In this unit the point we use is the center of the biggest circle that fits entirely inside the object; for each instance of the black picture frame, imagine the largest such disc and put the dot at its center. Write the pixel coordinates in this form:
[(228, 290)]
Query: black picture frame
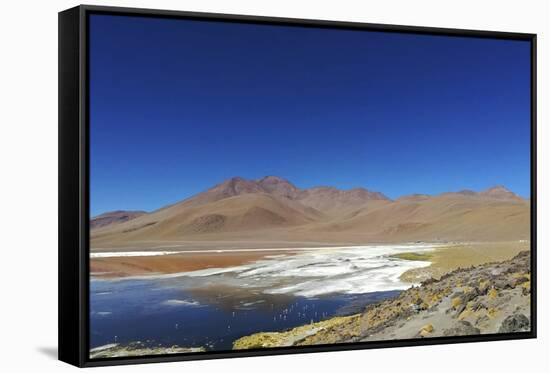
[(74, 184)]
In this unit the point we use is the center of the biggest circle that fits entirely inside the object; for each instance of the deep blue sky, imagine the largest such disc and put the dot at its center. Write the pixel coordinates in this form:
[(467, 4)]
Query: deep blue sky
[(177, 106)]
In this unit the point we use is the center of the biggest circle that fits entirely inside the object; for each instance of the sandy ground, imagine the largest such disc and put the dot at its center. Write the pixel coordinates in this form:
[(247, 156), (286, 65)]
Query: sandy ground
[(464, 255), (143, 265)]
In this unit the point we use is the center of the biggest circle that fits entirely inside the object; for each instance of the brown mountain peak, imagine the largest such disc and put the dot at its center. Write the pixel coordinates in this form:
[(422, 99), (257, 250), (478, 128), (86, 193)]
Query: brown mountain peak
[(271, 179), (238, 185), (497, 188), (279, 186), (229, 188), (499, 192)]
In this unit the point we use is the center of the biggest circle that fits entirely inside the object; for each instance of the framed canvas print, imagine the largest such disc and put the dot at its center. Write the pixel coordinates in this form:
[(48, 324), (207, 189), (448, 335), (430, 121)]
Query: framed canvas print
[(236, 186)]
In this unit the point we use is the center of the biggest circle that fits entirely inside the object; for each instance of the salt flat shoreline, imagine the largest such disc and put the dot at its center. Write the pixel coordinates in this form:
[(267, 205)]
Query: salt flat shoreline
[(141, 263), (445, 258), (115, 254)]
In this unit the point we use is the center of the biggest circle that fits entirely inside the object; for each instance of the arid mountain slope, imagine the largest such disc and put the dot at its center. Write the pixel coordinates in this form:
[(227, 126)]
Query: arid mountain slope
[(235, 205), (339, 202), (114, 217), (272, 208), (450, 216), (247, 212)]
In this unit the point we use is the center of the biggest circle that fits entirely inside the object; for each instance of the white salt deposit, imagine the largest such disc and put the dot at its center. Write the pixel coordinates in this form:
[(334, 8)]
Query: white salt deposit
[(130, 253), (314, 272)]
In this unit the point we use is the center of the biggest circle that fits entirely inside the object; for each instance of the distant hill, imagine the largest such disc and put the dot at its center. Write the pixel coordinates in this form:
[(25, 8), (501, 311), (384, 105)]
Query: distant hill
[(272, 208), (449, 216), (114, 217)]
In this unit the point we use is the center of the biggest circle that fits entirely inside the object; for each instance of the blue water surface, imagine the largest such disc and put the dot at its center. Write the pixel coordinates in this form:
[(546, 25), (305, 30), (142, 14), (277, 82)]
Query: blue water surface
[(164, 312)]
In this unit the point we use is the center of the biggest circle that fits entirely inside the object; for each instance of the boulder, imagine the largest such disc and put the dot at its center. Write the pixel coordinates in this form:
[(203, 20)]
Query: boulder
[(461, 328), (515, 323)]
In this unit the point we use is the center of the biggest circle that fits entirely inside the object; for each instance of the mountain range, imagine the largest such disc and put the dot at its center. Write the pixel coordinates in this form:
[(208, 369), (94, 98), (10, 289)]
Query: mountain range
[(272, 208)]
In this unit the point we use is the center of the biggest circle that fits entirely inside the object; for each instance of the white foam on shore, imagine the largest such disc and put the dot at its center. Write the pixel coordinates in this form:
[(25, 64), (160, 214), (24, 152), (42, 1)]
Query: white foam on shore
[(104, 347), (314, 272)]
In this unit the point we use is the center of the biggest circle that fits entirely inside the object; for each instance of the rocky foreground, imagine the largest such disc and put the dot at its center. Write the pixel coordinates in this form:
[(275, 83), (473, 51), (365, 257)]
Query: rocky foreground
[(486, 299), (137, 349)]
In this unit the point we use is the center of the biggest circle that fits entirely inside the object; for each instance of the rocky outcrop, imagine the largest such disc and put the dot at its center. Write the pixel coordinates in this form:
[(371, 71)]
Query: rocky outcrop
[(491, 298)]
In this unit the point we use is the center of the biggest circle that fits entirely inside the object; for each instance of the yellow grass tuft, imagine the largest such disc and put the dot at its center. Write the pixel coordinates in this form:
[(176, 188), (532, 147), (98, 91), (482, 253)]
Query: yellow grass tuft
[(455, 302), (426, 330)]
